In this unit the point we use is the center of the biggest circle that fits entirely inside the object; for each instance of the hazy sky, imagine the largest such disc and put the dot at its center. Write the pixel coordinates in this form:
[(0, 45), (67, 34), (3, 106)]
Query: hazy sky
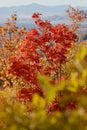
[(44, 2)]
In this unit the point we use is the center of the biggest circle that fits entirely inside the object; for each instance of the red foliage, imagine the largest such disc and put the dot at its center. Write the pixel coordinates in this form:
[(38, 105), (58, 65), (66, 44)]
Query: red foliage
[(56, 106), (36, 15), (53, 107), (47, 42), (71, 105), (27, 93)]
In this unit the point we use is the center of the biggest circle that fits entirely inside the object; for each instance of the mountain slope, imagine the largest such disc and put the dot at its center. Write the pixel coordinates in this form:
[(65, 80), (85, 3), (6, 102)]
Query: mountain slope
[(56, 14)]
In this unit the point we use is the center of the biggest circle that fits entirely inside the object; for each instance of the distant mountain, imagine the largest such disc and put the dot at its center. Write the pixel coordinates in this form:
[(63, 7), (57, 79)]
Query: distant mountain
[(30, 9), (56, 14)]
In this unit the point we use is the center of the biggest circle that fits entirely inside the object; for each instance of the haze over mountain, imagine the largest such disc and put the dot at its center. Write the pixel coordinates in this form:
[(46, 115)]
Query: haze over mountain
[(29, 9), (56, 14)]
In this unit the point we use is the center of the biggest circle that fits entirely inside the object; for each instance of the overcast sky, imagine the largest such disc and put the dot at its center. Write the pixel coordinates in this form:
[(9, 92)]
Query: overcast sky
[(44, 2)]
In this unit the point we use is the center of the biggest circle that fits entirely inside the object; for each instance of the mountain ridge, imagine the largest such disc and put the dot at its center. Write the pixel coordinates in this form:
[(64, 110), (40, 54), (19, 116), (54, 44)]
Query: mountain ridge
[(56, 14), (34, 7)]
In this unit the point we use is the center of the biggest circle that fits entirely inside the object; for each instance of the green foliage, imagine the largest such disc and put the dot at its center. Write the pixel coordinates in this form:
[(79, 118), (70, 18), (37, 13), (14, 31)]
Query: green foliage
[(15, 115)]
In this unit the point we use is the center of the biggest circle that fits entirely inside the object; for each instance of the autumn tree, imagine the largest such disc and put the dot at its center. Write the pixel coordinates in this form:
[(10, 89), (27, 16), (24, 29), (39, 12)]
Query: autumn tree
[(44, 51), (77, 17), (11, 38)]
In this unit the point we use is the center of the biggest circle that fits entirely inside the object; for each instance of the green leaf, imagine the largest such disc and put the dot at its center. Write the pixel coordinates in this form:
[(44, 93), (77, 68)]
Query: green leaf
[(81, 53)]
